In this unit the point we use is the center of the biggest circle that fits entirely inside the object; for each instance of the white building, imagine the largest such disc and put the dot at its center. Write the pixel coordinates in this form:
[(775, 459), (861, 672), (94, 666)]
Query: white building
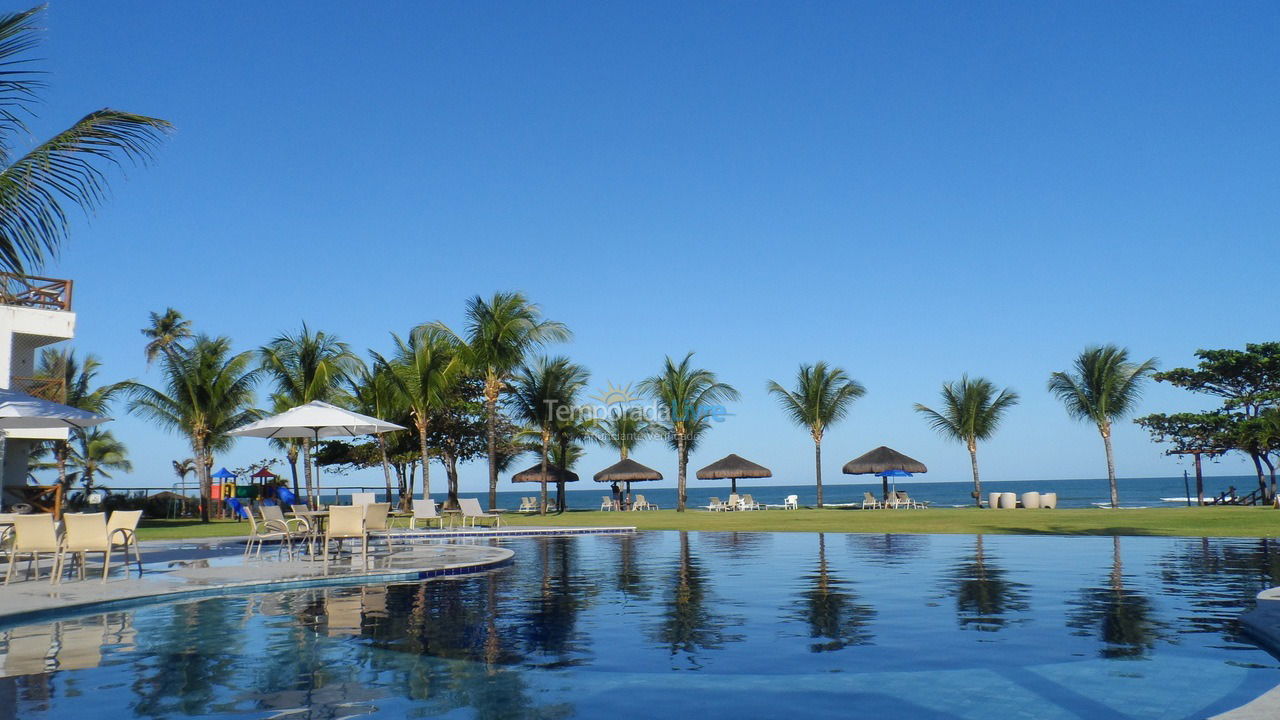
[(34, 312)]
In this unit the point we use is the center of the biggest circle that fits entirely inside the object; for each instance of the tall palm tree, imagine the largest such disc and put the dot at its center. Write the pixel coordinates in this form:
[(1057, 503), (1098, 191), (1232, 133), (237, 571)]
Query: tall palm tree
[(67, 168), (207, 392), (971, 411), (822, 397), (373, 392), (535, 398), (72, 383), (1102, 388), (689, 399), (500, 333), (99, 452), (623, 429), (183, 468), (165, 334), (422, 374), (306, 367)]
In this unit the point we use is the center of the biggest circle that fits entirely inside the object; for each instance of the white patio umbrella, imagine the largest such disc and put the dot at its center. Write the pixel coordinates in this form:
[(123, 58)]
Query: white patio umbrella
[(315, 420), (20, 411)]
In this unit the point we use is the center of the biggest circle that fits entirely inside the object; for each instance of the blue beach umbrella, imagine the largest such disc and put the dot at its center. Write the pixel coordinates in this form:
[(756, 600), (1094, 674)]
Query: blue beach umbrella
[(893, 474)]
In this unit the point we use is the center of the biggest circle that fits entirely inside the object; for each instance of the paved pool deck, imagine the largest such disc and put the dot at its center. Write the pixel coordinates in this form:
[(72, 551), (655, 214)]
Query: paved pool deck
[(178, 569)]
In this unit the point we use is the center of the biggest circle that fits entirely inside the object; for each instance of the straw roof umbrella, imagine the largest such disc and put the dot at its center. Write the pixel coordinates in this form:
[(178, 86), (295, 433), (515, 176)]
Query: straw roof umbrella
[(627, 471), (733, 467), (554, 474), (883, 460)]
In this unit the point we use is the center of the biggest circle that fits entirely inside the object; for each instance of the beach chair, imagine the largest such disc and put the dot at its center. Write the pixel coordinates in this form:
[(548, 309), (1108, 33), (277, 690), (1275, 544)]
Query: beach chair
[(528, 504), (470, 508), (268, 529), (734, 502), (363, 498), (642, 504), (870, 501), (346, 522), (715, 505), (83, 533), (749, 503), (377, 523), (791, 502), (425, 509), (33, 536), (904, 500), (607, 503), (122, 528)]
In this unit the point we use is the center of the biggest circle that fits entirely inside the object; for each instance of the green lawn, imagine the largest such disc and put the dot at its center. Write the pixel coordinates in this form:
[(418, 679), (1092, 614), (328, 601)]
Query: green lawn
[(1194, 521)]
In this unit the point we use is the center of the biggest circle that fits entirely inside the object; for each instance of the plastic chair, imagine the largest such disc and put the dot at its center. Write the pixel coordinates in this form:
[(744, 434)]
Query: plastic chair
[(33, 536), (346, 522)]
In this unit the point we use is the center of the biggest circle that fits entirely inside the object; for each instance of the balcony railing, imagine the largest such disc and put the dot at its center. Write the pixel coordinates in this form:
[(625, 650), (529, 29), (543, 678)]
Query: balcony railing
[(35, 292), (49, 388)]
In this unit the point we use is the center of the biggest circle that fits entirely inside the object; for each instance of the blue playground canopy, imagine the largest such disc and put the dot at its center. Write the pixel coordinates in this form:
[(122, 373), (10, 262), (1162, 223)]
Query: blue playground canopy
[(224, 474)]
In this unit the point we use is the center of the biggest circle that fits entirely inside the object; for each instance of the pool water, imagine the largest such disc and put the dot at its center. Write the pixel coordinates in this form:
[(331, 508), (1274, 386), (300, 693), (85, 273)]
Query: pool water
[(706, 625)]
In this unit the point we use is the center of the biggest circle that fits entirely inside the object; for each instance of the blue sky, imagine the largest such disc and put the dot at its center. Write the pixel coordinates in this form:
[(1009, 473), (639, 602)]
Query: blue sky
[(908, 190)]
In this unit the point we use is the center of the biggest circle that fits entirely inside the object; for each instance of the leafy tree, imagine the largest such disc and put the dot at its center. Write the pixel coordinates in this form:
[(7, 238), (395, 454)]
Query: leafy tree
[(835, 618), (458, 431), (183, 468), (499, 335), (623, 429), (1259, 436), (98, 453), (822, 397), (166, 333), (971, 411), (72, 382), (690, 398), (1103, 387), (373, 392), (67, 168), (207, 392), (1196, 434), (540, 393), (306, 367)]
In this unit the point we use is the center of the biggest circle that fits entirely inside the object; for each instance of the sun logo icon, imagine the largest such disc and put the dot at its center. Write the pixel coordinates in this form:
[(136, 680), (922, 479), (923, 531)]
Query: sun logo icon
[(614, 395)]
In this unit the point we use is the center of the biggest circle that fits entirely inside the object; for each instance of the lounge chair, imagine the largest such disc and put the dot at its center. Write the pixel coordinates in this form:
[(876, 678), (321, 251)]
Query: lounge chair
[(470, 508), (642, 504), (749, 503), (33, 536), (715, 505), (792, 502), (268, 529), (607, 503), (346, 522), (425, 509), (377, 523), (528, 504), (734, 502), (904, 500), (83, 533), (122, 529), (363, 498), (870, 501)]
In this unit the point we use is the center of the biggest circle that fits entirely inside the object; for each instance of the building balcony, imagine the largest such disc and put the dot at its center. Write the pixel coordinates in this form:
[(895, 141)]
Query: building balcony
[(31, 291)]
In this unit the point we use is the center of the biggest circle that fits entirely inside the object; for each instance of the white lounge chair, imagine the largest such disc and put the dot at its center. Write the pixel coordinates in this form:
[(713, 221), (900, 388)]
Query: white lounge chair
[(748, 503), (33, 536), (642, 504), (528, 504), (425, 509), (870, 501), (607, 503), (715, 505), (734, 502), (792, 502), (470, 508)]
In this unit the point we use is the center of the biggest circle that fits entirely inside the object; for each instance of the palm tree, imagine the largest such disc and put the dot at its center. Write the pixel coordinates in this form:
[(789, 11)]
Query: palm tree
[(166, 333), (1103, 388), (689, 398), (971, 411), (422, 374), (99, 452), (69, 167), (822, 397), (183, 468), (535, 399), (500, 334), (373, 392), (71, 382), (623, 430), (307, 367), (208, 392)]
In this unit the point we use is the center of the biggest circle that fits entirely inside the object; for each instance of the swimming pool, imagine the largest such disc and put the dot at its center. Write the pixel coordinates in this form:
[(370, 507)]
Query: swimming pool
[(714, 625)]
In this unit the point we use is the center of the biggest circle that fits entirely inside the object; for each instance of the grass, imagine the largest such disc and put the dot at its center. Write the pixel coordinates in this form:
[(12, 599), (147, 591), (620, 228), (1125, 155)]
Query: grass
[(1185, 521)]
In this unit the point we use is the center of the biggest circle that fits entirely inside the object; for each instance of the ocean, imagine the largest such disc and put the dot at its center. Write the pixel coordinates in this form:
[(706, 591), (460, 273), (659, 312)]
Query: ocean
[(1077, 493)]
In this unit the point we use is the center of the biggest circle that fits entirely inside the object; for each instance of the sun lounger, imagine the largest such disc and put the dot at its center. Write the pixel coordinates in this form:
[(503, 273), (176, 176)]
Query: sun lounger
[(608, 503), (470, 508), (425, 509), (870, 501), (642, 504)]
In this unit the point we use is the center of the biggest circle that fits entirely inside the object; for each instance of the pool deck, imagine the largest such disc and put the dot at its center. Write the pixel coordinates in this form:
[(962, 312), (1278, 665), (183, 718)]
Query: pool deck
[(1263, 625)]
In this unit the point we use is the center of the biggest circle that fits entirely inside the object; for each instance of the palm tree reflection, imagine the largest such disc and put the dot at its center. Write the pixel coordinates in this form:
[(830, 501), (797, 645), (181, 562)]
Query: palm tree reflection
[(835, 617), (985, 597), (1122, 618), (691, 625)]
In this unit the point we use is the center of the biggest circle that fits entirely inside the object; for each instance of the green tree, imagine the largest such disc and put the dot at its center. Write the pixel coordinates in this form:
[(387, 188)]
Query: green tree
[(971, 411), (423, 373), (207, 392), (822, 397), (1206, 434), (623, 429), (306, 367), (165, 334), (690, 399), (67, 168), (372, 391), (1259, 436), (500, 333), (97, 455), (72, 381), (536, 396), (1103, 387)]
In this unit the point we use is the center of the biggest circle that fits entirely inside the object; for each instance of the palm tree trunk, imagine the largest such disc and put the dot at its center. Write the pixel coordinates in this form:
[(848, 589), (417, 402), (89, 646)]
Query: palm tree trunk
[(202, 474), (977, 481), (60, 451), (451, 475), (491, 420), (386, 467), (817, 466), (1271, 470), (426, 462), (564, 454), (546, 440), (682, 456), (1199, 481), (292, 456), (306, 472), (1111, 464)]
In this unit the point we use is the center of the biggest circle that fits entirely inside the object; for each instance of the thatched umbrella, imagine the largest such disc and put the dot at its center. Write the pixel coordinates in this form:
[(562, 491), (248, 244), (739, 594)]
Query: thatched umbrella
[(733, 468), (883, 460), (627, 471), (554, 474)]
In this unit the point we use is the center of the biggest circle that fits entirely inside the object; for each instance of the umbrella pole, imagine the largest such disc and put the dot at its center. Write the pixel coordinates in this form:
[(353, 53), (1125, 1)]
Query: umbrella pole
[(884, 481), (733, 484), (315, 448)]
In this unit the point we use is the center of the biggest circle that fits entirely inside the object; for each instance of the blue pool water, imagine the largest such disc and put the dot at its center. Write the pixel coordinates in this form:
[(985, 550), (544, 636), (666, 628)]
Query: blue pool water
[(708, 625)]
